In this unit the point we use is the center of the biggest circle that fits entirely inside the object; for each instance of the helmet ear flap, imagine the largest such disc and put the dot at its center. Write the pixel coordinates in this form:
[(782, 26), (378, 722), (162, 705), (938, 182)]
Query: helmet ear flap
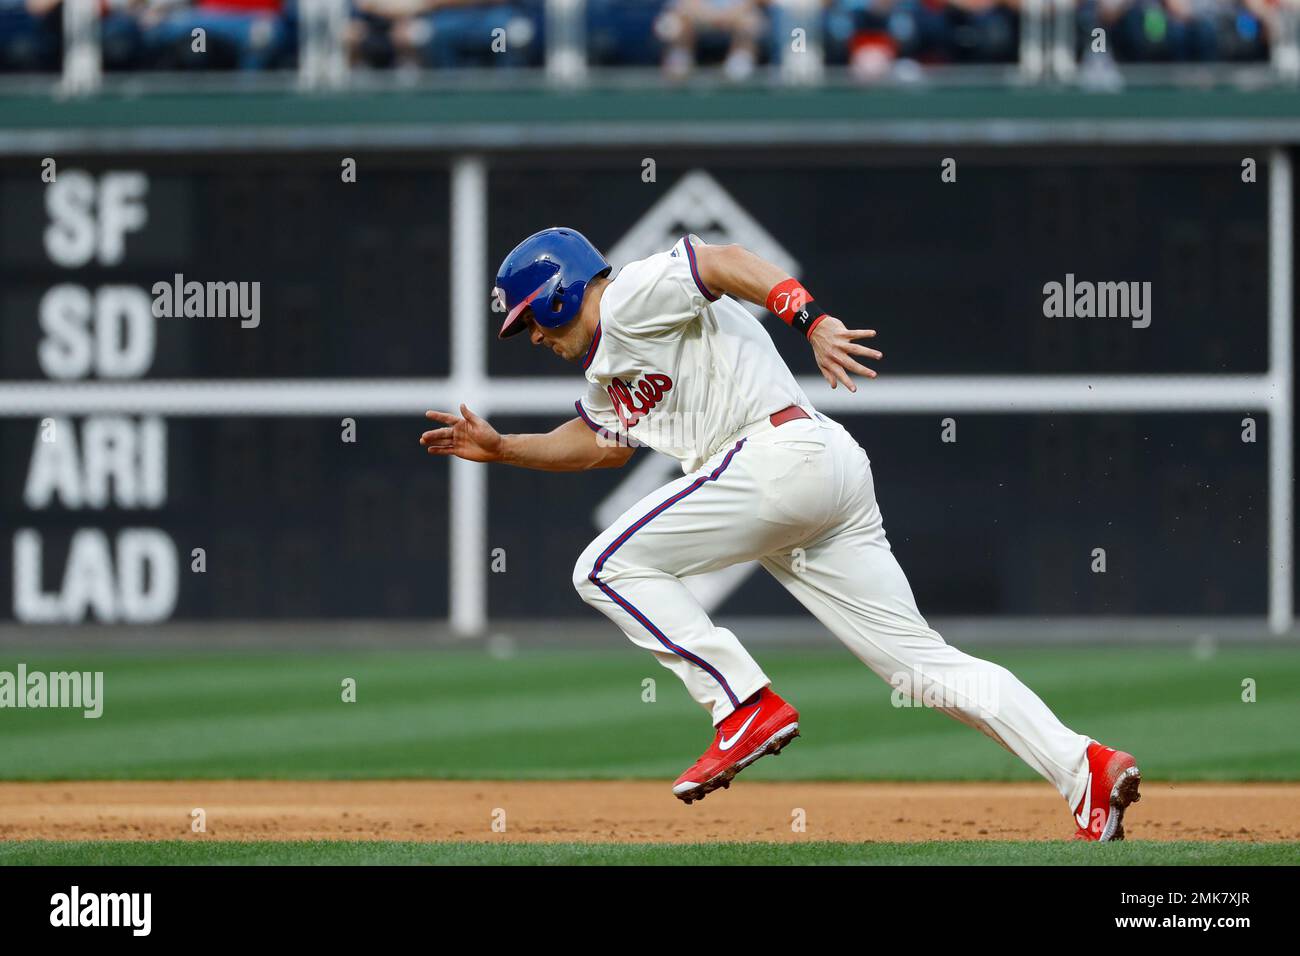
[(559, 299), (565, 302)]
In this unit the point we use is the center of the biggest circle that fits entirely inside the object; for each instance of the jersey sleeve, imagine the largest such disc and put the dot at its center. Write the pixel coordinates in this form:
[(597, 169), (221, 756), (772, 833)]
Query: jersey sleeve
[(597, 412), (657, 294)]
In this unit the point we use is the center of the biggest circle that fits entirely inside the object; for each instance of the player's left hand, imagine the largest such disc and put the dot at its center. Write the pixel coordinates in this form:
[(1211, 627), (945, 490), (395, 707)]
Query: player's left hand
[(833, 346)]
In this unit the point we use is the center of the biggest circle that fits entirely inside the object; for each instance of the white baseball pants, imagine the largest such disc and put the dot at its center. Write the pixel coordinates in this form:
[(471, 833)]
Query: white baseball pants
[(800, 499)]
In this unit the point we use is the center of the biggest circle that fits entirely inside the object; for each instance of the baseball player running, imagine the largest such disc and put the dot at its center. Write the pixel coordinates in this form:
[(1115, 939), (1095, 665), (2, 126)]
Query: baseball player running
[(674, 362)]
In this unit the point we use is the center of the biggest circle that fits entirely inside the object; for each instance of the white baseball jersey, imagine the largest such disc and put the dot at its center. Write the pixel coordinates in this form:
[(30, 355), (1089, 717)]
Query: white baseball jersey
[(694, 376), (677, 368)]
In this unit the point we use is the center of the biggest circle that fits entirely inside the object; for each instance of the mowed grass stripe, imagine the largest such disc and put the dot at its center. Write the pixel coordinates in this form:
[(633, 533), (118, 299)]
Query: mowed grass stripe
[(269, 683), (338, 853), (567, 714), (308, 735)]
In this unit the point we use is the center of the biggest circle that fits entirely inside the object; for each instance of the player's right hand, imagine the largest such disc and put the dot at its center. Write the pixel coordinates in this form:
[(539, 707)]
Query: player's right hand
[(465, 436)]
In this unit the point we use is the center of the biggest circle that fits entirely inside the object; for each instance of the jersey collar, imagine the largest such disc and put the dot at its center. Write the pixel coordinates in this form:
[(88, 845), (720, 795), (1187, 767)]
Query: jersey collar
[(591, 350)]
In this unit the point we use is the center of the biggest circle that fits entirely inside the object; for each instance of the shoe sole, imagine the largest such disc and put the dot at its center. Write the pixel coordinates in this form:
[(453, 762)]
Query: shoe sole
[(1124, 793), (721, 781)]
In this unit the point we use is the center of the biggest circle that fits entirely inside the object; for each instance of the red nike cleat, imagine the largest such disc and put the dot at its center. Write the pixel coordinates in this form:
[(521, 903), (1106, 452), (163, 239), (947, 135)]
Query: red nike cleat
[(751, 731), (1113, 779)]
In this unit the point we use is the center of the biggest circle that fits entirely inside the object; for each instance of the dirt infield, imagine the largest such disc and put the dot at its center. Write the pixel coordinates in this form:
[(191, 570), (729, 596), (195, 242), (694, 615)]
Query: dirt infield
[(622, 812)]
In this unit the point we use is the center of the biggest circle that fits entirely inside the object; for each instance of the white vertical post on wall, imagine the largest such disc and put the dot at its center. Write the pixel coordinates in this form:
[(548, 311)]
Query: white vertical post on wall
[(82, 60), (566, 41), (1286, 45), (470, 289), (806, 63), (1064, 60), (1281, 536), (322, 59), (1033, 39)]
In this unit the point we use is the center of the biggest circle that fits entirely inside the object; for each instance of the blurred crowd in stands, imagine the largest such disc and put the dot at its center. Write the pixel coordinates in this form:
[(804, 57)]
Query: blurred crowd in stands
[(872, 37)]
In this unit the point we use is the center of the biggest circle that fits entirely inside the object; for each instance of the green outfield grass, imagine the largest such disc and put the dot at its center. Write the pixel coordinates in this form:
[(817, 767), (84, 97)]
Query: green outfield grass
[(571, 714), (337, 853)]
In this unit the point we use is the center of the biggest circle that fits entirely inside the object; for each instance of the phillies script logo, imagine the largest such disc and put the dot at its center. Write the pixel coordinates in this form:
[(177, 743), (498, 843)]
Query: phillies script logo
[(633, 404)]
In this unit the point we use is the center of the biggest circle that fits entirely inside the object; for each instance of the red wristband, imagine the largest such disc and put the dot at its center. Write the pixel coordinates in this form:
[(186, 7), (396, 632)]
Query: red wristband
[(794, 306), (787, 298)]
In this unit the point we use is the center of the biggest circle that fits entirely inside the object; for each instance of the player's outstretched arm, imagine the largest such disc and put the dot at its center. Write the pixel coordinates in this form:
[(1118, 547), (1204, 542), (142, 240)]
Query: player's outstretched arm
[(571, 447), (734, 270)]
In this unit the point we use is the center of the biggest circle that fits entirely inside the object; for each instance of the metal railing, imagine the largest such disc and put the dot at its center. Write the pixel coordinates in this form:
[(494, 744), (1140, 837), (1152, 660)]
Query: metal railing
[(1047, 50), (82, 55)]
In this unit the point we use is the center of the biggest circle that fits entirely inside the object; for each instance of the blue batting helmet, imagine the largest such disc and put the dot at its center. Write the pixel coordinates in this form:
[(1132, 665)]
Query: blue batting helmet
[(548, 272)]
